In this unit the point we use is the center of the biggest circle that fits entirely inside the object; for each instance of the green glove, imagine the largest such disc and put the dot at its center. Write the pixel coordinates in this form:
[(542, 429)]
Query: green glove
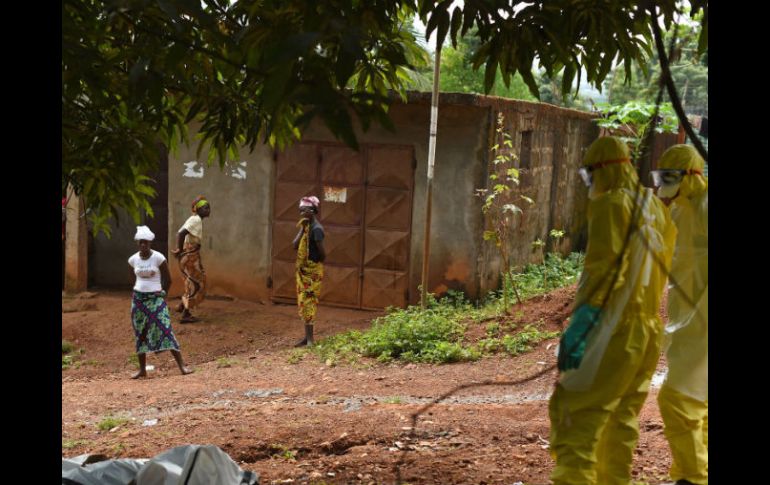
[(572, 345)]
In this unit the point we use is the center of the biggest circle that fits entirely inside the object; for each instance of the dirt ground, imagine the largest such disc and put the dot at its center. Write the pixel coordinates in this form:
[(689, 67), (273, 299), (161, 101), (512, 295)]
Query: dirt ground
[(306, 422)]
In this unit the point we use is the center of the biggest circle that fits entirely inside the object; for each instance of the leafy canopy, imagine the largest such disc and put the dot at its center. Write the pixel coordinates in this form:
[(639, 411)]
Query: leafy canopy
[(135, 73)]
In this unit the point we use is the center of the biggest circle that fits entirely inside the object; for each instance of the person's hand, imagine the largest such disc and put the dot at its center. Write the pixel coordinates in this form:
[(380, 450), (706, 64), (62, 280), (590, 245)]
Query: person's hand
[(572, 345), (177, 253)]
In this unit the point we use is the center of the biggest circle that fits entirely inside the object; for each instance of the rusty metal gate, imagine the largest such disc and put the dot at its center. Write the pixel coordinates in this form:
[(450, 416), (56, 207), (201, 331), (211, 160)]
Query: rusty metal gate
[(366, 211)]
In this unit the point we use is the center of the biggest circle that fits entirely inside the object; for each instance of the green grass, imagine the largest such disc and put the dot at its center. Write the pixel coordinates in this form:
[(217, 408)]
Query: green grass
[(224, 362), (557, 272), (66, 361), (410, 335), (284, 452), (70, 361), (69, 355), (392, 400), (436, 334), (296, 356), (67, 444), (110, 422), (515, 344)]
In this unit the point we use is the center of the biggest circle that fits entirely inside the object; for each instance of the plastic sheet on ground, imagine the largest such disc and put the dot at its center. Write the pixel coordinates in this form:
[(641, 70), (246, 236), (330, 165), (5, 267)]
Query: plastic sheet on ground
[(188, 465)]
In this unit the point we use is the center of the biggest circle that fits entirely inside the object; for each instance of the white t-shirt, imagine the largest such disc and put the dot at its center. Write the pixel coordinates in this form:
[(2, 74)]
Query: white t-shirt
[(194, 226), (147, 271)]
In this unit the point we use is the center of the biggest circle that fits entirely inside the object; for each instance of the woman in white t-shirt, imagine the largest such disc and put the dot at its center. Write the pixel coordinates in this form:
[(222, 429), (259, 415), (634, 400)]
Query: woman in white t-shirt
[(188, 252), (149, 313)]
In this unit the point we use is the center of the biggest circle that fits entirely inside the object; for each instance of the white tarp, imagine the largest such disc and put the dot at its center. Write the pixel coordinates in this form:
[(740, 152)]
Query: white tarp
[(183, 465)]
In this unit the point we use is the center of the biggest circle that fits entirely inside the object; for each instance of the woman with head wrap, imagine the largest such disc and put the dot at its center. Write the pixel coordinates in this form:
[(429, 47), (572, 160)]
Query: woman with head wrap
[(310, 268), (188, 252), (149, 313)]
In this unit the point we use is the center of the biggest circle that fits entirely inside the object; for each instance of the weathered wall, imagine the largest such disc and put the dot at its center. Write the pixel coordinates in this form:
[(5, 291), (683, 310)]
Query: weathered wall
[(236, 238), (558, 141)]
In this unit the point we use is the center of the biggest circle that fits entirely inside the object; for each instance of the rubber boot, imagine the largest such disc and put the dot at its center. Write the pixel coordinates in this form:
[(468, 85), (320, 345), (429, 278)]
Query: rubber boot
[(308, 340)]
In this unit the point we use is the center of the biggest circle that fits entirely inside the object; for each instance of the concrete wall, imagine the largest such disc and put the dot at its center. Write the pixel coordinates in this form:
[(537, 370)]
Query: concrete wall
[(108, 257), (236, 238)]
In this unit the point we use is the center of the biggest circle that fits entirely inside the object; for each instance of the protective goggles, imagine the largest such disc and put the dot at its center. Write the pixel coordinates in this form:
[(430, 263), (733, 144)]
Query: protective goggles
[(586, 173), (670, 176)]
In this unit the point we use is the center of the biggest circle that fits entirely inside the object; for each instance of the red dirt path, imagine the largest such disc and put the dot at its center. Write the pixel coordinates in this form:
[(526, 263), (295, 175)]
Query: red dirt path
[(342, 424)]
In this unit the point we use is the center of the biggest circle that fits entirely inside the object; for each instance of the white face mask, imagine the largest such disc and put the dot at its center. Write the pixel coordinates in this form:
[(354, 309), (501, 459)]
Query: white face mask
[(585, 174), (668, 191)]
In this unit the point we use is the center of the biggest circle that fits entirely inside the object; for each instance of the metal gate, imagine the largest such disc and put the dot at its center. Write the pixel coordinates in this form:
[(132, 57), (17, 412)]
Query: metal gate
[(366, 211)]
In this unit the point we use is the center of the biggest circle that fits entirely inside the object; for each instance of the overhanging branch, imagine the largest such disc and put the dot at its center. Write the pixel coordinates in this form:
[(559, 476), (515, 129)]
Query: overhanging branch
[(671, 88)]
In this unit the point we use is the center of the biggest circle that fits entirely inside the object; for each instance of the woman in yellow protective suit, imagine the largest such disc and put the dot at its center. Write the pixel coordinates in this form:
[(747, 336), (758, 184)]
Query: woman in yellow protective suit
[(608, 353), (683, 399)]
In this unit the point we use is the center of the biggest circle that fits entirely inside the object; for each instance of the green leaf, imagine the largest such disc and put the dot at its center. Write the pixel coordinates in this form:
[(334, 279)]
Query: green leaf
[(146, 190), (275, 85), (469, 15), (512, 208), (443, 26), (703, 39), (567, 78), (169, 10), (457, 17), (175, 54), (432, 24), (138, 71), (529, 79), (349, 54)]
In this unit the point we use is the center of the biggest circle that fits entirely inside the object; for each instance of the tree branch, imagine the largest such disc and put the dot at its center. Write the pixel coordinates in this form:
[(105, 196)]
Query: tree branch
[(671, 88)]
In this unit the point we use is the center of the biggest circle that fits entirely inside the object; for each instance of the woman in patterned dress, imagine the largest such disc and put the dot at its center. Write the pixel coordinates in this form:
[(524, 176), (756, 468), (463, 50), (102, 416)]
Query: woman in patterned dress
[(188, 252), (149, 313), (310, 268)]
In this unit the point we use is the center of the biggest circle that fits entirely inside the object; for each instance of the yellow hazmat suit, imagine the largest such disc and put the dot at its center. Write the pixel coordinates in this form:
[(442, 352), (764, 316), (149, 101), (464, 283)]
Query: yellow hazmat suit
[(594, 409), (683, 399)]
